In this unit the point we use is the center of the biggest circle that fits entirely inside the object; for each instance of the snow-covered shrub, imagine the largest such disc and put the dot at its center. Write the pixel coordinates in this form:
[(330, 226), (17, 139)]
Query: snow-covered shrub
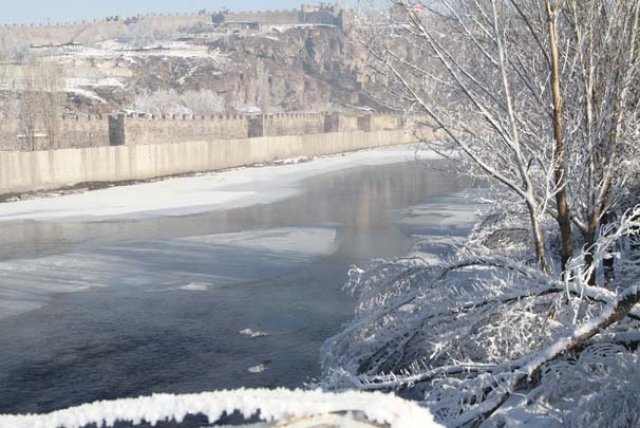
[(598, 388), (466, 335)]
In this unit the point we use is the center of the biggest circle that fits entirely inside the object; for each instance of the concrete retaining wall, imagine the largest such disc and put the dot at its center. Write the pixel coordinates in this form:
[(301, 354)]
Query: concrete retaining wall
[(27, 171)]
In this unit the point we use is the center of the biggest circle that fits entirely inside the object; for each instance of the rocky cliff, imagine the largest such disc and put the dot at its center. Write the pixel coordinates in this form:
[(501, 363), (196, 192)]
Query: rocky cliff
[(306, 68)]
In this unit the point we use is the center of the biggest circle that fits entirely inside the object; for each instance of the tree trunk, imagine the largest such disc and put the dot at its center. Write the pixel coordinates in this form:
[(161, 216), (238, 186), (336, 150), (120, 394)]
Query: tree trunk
[(589, 241), (564, 216), (608, 264), (538, 238)]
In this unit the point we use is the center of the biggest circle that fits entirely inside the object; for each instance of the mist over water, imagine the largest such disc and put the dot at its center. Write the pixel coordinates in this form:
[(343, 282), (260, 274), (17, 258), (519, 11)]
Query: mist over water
[(168, 296)]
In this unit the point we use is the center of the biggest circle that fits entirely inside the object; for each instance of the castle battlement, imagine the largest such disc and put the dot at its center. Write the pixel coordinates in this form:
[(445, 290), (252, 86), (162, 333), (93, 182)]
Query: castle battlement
[(86, 130), (113, 26), (146, 117), (263, 12), (71, 118)]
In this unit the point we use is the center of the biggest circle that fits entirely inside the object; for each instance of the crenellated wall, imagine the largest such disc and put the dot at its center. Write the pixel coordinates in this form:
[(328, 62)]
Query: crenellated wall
[(272, 17), (379, 122), (78, 131), (89, 31), (70, 32), (84, 131), (73, 132), (147, 129), (123, 148), (293, 124)]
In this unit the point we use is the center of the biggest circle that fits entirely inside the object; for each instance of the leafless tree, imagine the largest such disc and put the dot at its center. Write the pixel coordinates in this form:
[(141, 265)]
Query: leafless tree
[(41, 100), (541, 96), (603, 120), (528, 91), (263, 90)]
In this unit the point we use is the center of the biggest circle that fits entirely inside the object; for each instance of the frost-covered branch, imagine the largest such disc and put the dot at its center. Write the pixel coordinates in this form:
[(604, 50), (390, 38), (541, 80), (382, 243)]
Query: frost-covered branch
[(471, 333)]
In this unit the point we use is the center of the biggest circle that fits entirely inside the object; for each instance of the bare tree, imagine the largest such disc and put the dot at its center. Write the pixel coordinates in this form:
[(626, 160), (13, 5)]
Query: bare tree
[(41, 100), (506, 83), (603, 119), (465, 72), (553, 9), (263, 90), (144, 34), (540, 96)]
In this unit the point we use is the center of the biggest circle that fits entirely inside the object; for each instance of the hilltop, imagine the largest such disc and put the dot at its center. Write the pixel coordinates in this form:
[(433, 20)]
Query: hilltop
[(272, 61)]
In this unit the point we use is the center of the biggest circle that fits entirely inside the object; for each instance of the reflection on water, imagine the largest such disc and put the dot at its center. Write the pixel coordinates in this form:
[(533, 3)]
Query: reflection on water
[(168, 321)]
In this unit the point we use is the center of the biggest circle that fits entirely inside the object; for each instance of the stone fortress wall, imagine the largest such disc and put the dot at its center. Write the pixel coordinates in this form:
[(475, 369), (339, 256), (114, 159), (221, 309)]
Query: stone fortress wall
[(91, 31), (171, 129), (119, 148), (82, 131), (73, 132)]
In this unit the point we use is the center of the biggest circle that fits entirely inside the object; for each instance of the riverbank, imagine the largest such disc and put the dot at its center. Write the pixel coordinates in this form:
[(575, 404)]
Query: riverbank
[(228, 189), (63, 168)]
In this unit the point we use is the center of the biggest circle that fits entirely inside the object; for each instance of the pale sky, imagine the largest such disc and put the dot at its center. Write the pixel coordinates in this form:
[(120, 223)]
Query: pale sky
[(27, 11)]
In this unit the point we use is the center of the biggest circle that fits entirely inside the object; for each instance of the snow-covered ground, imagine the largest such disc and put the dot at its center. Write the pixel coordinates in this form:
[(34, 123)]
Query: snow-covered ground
[(189, 195)]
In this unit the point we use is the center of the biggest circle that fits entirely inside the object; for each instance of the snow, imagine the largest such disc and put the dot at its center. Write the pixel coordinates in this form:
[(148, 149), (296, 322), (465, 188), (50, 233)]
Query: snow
[(257, 369), (279, 405), (105, 82), (190, 195), (114, 49), (252, 334), (87, 94), (516, 413)]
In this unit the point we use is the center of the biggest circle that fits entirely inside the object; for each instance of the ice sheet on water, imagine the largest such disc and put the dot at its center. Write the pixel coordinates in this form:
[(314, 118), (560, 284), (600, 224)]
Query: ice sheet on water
[(306, 241), (441, 224), (194, 286), (180, 265)]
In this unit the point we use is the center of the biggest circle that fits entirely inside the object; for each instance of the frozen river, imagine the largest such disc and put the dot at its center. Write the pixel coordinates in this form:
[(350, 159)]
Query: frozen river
[(108, 294)]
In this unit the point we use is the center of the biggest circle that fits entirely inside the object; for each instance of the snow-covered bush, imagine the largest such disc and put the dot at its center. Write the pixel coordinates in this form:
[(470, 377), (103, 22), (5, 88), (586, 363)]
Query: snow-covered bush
[(598, 388), (466, 335)]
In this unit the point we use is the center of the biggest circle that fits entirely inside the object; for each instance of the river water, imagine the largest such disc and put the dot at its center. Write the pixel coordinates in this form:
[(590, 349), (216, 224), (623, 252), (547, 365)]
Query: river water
[(168, 295)]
